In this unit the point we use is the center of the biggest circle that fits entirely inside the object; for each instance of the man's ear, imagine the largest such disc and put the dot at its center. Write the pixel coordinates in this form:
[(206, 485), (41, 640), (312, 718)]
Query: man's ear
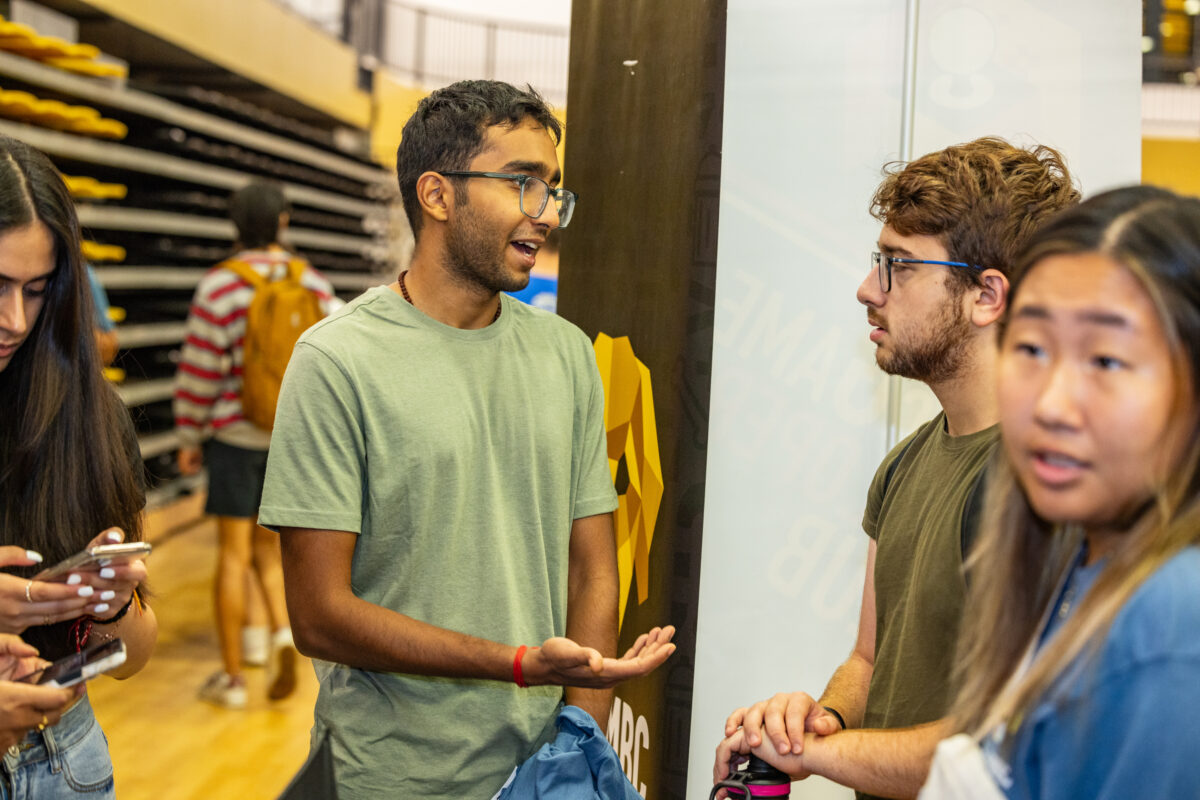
[(990, 299), (435, 195)]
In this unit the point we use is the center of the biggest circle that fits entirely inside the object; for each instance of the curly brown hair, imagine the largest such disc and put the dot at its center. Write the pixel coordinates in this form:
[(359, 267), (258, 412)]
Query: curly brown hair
[(982, 199)]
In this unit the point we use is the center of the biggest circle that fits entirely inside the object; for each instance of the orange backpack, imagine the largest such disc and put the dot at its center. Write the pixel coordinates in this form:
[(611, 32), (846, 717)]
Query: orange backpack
[(281, 310)]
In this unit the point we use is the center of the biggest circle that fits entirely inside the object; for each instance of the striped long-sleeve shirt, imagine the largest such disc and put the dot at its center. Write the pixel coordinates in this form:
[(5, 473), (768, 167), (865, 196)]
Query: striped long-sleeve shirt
[(208, 383)]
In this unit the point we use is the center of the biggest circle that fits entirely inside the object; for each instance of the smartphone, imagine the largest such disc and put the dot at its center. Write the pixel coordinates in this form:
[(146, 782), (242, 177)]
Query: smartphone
[(94, 557), (79, 667)]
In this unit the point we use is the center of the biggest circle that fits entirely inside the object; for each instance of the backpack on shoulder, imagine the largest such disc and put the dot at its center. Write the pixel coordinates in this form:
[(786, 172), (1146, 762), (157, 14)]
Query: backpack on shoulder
[(281, 310)]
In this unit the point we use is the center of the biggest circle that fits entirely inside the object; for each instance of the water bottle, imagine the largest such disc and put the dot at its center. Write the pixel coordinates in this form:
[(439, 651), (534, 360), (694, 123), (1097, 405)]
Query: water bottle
[(755, 778)]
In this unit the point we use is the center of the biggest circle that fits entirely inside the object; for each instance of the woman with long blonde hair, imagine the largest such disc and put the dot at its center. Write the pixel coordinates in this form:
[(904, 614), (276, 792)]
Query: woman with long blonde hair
[(1079, 657)]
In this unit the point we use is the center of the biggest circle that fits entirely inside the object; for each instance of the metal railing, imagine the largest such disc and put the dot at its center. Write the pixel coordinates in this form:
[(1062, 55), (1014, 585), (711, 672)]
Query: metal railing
[(434, 48), (1170, 111), (325, 14)]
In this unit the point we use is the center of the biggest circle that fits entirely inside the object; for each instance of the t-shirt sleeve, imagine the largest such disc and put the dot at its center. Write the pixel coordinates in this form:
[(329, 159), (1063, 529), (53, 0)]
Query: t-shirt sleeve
[(879, 485), (875, 494), (316, 465), (594, 491), (1135, 734)]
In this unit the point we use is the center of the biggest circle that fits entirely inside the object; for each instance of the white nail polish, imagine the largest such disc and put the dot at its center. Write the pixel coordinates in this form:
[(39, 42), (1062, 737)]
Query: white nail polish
[(108, 572), (101, 608), (74, 579), (86, 591), (115, 536), (34, 556), (108, 595)]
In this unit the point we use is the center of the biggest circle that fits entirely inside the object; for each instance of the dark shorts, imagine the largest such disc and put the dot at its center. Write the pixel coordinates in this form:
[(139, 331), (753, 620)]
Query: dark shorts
[(235, 479)]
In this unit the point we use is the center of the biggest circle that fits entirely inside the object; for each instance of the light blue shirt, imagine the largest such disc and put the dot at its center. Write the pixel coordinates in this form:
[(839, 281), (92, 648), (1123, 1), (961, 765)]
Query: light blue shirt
[(100, 301), (1126, 722)]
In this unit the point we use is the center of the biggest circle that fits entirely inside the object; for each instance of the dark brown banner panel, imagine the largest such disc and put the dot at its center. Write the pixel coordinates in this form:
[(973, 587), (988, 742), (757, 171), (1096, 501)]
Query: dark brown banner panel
[(637, 273)]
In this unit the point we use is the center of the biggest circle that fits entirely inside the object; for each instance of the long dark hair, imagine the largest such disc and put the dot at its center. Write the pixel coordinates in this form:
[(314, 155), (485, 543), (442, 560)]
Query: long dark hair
[(68, 457), (1020, 558)]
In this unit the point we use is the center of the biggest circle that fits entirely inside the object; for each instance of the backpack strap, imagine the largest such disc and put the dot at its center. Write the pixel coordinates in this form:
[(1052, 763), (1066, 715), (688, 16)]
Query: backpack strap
[(295, 268), (244, 271)]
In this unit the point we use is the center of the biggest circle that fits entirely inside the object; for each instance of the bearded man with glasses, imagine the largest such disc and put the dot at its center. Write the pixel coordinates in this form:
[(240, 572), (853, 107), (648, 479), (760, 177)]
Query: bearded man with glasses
[(439, 475), (953, 222)]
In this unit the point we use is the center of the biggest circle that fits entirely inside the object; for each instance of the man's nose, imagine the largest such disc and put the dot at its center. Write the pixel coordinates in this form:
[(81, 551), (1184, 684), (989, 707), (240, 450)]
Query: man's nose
[(869, 293), (549, 215)]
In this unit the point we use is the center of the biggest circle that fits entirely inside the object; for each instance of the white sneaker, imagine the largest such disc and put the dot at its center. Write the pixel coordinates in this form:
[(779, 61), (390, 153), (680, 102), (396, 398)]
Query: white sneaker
[(256, 645), (224, 690), (281, 669)]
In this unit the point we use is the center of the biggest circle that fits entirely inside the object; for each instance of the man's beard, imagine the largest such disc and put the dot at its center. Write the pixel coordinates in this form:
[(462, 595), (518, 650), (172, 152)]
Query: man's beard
[(472, 257), (939, 354)]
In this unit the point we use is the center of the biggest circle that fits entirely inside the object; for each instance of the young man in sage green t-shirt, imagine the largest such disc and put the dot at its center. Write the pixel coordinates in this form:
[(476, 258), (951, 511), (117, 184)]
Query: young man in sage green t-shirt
[(439, 474), (953, 223)]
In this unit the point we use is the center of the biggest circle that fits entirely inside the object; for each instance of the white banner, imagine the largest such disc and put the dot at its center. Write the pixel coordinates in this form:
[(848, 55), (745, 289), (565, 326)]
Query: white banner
[(812, 112)]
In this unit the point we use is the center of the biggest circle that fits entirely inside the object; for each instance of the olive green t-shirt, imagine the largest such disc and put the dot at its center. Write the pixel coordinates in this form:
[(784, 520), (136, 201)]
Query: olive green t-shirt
[(460, 459), (919, 582)]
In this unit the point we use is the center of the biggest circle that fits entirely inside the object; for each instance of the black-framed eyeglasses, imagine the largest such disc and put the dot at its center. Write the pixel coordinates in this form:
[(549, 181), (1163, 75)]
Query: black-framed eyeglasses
[(535, 193), (882, 265)]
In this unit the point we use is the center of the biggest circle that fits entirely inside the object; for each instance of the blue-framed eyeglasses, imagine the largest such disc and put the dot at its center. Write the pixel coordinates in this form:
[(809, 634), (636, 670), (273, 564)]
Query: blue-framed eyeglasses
[(535, 193), (882, 265)]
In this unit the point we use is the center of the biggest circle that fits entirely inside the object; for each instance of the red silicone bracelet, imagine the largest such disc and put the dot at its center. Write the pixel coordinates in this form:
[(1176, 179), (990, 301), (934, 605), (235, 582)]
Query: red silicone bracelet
[(518, 677)]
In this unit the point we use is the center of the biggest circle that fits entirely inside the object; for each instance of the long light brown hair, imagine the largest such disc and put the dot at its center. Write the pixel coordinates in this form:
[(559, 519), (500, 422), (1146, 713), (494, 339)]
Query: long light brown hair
[(1020, 558)]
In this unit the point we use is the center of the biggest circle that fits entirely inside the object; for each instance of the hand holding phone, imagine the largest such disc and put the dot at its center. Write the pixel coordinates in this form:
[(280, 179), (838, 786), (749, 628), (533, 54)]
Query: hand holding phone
[(78, 667), (94, 558), (27, 603), (27, 707)]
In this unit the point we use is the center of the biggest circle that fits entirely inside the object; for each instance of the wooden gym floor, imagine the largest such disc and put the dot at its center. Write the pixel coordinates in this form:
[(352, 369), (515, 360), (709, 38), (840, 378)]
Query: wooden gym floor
[(165, 743)]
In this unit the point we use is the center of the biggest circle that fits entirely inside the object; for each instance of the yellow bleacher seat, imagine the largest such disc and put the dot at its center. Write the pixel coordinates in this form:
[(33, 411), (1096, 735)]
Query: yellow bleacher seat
[(17, 104), (87, 66), (36, 46), (88, 188), (106, 128), (79, 58), (94, 251), (56, 114)]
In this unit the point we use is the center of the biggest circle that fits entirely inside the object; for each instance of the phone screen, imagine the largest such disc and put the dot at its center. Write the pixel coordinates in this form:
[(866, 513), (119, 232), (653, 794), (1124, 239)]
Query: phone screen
[(78, 667)]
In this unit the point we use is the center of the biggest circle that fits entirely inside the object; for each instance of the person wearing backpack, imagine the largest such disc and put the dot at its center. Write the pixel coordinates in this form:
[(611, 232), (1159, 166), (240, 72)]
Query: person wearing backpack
[(245, 317)]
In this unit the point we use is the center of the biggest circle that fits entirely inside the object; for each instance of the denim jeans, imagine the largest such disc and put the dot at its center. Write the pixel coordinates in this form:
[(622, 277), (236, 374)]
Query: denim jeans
[(69, 760)]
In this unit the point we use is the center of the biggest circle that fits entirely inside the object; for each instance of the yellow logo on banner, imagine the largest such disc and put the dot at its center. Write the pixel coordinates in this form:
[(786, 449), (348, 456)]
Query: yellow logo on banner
[(632, 433)]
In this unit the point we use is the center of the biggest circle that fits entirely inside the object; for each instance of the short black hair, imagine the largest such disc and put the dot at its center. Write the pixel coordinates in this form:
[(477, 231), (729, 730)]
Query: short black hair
[(449, 127), (255, 211)]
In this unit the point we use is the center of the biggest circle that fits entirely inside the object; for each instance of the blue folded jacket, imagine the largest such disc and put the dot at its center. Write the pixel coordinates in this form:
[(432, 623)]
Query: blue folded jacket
[(578, 765)]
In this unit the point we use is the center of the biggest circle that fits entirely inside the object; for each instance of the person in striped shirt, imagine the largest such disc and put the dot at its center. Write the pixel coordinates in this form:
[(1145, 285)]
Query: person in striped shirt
[(208, 406)]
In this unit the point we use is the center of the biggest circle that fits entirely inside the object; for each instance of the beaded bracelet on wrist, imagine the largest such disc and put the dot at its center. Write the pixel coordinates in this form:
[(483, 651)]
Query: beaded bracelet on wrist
[(117, 616)]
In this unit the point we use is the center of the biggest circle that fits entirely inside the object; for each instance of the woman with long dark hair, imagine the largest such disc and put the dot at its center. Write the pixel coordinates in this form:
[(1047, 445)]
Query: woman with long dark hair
[(70, 474), (1080, 652)]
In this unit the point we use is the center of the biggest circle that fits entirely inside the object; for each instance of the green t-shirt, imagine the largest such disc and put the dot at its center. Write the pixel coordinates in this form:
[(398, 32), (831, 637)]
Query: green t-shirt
[(919, 583), (460, 458)]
